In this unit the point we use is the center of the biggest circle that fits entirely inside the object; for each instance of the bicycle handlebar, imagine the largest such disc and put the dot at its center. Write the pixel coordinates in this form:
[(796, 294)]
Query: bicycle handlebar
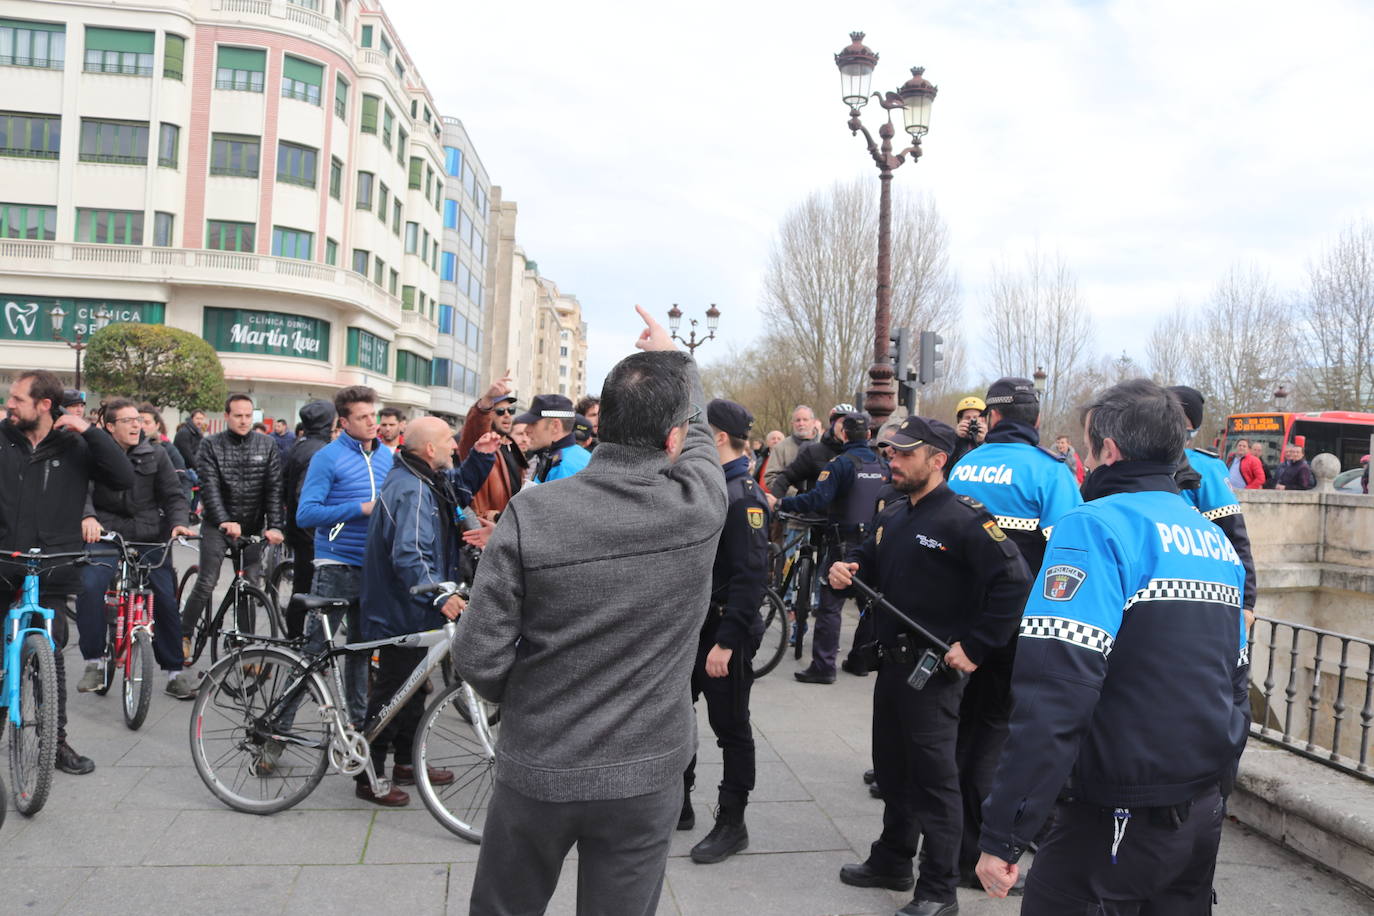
[(451, 588), (809, 520)]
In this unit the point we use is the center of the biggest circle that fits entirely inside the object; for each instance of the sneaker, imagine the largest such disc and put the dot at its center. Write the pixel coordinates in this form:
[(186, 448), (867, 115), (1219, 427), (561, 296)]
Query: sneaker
[(180, 689), (69, 761), (92, 679)]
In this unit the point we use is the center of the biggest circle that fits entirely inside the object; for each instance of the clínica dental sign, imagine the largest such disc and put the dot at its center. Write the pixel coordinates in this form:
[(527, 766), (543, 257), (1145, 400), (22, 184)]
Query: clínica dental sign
[(267, 333)]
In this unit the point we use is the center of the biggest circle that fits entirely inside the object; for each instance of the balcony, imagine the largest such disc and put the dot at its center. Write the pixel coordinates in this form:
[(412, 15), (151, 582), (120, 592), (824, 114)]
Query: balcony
[(203, 267), (419, 327), (291, 12)]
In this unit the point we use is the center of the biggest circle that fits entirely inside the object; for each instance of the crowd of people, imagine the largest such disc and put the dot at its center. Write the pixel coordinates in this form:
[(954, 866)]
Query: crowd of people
[(618, 550)]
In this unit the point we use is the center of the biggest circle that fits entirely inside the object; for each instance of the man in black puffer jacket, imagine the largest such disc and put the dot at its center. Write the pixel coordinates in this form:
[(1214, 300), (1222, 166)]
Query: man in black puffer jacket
[(240, 493), (317, 421), (47, 462)]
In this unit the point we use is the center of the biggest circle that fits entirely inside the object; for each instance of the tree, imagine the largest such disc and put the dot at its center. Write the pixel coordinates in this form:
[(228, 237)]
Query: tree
[(818, 295), (1169, 348), (1339, 319), (166, 366)]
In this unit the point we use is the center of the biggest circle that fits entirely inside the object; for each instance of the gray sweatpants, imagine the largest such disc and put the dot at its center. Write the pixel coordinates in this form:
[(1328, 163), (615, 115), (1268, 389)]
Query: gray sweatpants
[(622, 850)]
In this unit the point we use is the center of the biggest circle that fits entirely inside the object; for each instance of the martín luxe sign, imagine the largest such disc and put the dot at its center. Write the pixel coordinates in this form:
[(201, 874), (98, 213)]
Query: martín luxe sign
[(267, 333)]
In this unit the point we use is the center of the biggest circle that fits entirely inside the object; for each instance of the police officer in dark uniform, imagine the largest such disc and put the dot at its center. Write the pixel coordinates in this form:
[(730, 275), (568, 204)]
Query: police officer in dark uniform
[(847, 490), (730, 636), (940, 559)]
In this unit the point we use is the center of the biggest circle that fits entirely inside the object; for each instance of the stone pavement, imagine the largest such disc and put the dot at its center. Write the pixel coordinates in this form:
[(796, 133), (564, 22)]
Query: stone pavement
[(142, 834)]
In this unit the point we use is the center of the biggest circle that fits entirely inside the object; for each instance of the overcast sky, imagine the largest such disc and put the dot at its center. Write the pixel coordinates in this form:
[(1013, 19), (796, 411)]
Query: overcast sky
[(653, 148)]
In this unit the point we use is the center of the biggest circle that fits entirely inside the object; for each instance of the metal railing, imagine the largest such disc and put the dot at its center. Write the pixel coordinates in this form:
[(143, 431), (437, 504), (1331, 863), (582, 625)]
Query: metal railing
[(28, 153), (1306, 685), (118, 69), (42, 63)]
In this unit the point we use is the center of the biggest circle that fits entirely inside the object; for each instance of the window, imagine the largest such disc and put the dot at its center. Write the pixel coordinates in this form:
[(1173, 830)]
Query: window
[(296, 164), (400, 69), (119, 51), (424, 245), (408, 298), (388, 120), (174, 57), (224, 235), (301, 80), (473, 336), (369, 124), (481, 201), (331, 252), (562, 351), (412, 237), (383, 198), (414, 110), (292, 243), (240, 69), (367, 351), (438, 195), (24, 221), (395, 281), (162, 229), (363, 200), (450, 214), (396, 215), (335, 178), (308, 4), (453, 161), (428, 116), (32, 44), (30, 136), (110, 227), (440, 372), (450, 267), (417, 166), (231, 154), (429, 180), (360, 259), (445, 319), (378, 271), (341, 97), (412, 368), (385, 45), (366, 40), (168, 140), (460, 325), (464, 227), (563, 371), (124, 142), (402, 139), (470, 184)]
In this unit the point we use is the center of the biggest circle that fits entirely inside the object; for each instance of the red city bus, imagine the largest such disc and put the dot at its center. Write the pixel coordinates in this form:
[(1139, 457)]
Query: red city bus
[(1342, 433)]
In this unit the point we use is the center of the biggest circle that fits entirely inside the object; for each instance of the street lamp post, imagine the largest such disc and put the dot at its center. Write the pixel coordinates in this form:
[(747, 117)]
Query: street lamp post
[(1039, 378), (691, 341), (59, 315), (1280, 397), (856, 64)]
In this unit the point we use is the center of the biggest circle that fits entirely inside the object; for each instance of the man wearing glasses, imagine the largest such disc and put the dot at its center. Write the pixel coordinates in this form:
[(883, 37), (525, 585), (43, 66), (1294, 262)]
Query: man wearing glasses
[(495, 412)]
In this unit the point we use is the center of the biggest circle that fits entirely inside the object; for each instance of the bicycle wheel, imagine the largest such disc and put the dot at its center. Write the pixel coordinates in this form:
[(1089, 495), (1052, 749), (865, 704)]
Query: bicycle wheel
[(191, 572), (283, 577), (108, 664), (450, 677), (138, 679), (446, 740), (802, 607), (242, 756), (33, 742), (775, 633), (253, 613), (4, 801)]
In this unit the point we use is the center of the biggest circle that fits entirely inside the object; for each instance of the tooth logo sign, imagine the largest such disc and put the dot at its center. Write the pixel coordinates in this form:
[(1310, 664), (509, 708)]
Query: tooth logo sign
[(16, 315)]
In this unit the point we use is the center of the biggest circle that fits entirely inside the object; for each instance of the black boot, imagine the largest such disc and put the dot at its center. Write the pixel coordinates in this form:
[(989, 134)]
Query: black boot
[(726, 838), (688, 818), (69, 761)]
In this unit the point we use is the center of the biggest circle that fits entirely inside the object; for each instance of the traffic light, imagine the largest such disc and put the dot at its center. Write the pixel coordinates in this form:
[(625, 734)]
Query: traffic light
[(899, 351), (931, 357)]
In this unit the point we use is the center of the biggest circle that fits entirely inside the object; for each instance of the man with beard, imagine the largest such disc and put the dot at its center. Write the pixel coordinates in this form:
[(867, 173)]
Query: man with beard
[(549, 425), (47, 462), (391, 427), (494, 412), (941, 559), (785, 451)]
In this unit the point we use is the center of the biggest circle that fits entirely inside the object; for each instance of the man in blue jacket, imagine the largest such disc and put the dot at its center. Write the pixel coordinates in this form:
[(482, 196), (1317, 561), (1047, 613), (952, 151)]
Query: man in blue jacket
[(549, 424), (1142, 752), (336, 500), (414, 540)]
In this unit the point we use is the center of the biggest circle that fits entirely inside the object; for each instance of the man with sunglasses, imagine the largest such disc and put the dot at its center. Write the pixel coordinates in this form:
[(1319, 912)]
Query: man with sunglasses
[(549, 424), (494, 412)]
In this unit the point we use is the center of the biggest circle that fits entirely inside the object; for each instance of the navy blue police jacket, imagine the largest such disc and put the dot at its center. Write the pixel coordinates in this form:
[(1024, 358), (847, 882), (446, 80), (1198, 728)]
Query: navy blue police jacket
[(1026, 488), (1215, 499), (1131, 673), (741, 566), (944, 563), (837, 484)]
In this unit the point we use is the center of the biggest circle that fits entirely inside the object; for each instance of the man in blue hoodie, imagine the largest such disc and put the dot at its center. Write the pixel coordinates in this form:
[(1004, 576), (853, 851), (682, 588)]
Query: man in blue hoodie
[(336, 500)]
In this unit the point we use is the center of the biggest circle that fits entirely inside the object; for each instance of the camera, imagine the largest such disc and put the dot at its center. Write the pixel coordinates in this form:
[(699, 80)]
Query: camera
[(973, 428)]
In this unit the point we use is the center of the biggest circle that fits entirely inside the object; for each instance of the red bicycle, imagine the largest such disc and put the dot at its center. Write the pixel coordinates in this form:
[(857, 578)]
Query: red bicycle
[(129, 623)]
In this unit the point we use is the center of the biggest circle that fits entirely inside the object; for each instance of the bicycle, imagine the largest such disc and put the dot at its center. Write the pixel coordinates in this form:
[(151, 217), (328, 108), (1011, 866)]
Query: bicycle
[(771, 648), (28, 671), (129, 626), (253, 763), (250, 604), (800, 586)]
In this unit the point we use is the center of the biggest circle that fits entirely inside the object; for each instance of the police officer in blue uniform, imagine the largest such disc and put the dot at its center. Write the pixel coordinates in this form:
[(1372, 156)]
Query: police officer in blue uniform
[(1027, 488), (549, 423), (1142, 751), (1207, 490), (730, 636), (940, 559), (847, 491)]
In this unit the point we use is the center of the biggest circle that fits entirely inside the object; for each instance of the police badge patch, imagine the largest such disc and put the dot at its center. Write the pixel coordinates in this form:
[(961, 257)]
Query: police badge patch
[(755, 516), (994, 532), (1062, 582), (823, 476)]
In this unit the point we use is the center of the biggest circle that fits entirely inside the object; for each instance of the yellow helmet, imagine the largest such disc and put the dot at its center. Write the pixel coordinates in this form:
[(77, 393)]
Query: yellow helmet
[(972, 401)]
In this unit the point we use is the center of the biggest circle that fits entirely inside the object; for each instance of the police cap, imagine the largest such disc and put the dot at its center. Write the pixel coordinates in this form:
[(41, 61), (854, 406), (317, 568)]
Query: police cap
[(916, 431), (856, 426), (71, 397), (729, 417), (582, 429), (547, 405), (1012, 390), (1192, 400)]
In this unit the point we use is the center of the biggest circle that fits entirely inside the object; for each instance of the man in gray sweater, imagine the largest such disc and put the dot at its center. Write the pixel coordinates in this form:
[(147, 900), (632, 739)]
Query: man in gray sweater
[(582, 625)]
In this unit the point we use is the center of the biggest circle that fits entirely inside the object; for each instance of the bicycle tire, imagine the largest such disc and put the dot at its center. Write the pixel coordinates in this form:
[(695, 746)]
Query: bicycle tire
[(775, 633), (251, 608), (138, 680), (283, 573), (191, 572), (4, 801), (801, 609), (228, 746), (445, 739), (108, 664), (33, 743), (450, 677)]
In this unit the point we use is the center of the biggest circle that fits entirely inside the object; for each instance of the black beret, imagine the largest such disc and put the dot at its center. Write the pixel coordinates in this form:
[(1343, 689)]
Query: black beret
[(729, 418), (1192, 401)]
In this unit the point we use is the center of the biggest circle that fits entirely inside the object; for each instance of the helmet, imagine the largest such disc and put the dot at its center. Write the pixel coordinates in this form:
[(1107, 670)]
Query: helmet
[(840, 410), (972, 401), (856, 426)]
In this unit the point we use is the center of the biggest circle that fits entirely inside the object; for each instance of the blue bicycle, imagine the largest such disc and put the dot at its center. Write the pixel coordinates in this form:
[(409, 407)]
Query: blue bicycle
[(28, 685)]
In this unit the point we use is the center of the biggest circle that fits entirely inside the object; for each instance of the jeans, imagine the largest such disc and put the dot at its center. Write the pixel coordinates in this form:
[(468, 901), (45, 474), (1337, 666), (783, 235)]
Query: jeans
[(90, 608), (334, 580)]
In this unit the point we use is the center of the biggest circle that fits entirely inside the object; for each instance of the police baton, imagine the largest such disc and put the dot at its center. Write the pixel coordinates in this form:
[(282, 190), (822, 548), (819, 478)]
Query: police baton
[(928, 662)]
